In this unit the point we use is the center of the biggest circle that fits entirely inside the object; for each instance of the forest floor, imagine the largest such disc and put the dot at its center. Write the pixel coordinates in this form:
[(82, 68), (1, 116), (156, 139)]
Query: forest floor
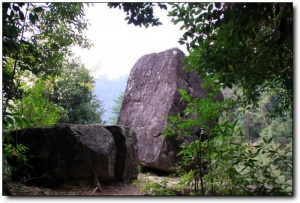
[(112, 189)]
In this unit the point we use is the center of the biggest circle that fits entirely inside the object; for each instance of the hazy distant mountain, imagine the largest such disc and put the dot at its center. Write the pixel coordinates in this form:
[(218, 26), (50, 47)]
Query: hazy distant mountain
[(107, 91)]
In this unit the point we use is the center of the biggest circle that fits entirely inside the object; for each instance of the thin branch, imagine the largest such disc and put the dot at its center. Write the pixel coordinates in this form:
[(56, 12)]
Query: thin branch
[(16, 60), (43, 176), (97, 188)]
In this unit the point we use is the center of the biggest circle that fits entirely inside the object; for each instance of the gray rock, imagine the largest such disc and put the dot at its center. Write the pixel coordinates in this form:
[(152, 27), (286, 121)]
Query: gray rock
[(127, 153), (151, 95), (90, 152), (75, 152)]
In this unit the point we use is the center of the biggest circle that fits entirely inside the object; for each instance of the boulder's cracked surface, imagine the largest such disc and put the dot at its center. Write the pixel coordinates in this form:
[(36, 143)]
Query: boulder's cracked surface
[(152, 95)]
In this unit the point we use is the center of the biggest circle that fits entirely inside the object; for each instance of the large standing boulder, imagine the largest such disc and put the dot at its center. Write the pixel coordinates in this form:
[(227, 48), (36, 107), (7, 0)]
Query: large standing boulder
[(151, 95), (76, 152)]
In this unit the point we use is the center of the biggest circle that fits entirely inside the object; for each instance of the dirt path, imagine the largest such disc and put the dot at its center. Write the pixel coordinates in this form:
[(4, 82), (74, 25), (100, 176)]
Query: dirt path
[(112, 189)]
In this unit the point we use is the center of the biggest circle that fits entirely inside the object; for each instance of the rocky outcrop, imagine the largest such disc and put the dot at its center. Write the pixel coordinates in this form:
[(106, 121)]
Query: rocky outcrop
[(72, 152), (127, 153), (151, 95)]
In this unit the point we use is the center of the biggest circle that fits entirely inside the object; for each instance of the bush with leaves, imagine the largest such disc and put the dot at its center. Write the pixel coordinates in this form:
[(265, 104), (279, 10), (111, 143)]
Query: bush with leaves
[(13, 121), (221, 159), (239, 167), (73, 91), (36, 107), (16, 153), (259, 120), (155, 187)]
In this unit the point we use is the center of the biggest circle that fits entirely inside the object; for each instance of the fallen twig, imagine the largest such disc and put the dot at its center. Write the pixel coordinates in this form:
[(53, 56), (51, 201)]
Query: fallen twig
[(97, 188)]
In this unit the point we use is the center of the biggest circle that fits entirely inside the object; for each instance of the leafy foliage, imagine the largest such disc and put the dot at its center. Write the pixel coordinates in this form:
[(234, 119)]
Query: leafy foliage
[(222, 157), (155, 187), (14, 152), (37, 41), (247, 44), (73, 91), (242, 168), (139, 13), (261, 122), (116, 108), (36, 107)]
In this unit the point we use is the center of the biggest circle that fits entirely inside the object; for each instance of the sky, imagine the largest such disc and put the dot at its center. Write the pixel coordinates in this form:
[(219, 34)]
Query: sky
[(118, 45)]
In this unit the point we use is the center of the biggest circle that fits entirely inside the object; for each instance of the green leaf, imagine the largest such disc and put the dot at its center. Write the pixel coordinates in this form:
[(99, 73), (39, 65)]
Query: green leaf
[(270, 140), (265, 140), (22, 148), (38, 9), (8, 137), (21, 15), (257, 152), (32, 18), (244, 168), (9, 120), (230, 24), (25, 122), (19, 121), (176, 21), (172, 118), (182, 92)]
